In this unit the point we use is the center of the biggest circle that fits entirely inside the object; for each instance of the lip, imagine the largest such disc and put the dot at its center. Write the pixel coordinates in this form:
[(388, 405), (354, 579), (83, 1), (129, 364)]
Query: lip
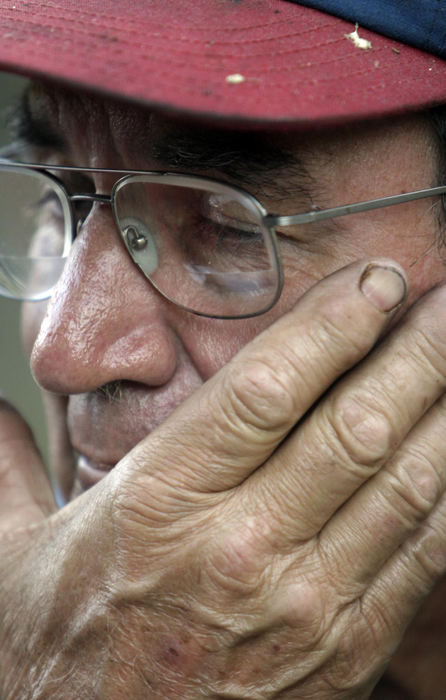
[(89, 472), (102, 431)]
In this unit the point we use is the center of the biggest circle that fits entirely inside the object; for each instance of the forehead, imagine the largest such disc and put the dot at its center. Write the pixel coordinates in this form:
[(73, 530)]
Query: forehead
[(106, 133)]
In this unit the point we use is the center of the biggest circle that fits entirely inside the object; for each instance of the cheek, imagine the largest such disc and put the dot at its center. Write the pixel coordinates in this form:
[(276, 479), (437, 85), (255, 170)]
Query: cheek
[(211, 343), (408, 234)]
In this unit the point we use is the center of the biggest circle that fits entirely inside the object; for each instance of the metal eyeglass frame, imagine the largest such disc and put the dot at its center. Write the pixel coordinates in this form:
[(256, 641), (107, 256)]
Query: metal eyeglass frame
[(268, 222)]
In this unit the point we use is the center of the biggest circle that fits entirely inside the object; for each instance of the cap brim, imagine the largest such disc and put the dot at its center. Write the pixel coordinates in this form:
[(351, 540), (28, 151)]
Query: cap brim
[(264, 62)]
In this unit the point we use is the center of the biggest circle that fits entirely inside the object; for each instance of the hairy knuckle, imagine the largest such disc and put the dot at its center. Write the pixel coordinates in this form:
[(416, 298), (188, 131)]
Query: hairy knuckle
[(364, 433)]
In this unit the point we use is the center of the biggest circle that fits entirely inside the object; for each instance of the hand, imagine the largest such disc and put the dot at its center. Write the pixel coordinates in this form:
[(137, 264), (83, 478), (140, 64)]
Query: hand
[(272, 538)]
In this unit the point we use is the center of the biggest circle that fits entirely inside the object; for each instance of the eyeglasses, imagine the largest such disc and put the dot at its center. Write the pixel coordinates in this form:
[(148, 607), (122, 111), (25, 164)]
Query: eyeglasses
[(206, 246)]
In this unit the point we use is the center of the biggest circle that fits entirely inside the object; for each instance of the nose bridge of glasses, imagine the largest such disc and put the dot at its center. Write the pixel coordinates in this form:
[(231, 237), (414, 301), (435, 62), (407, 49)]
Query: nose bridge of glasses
[(91, 197), (137, 238)]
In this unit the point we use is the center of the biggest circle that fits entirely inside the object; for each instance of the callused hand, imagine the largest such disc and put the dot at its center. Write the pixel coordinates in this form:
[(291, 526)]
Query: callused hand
[(273, 538)]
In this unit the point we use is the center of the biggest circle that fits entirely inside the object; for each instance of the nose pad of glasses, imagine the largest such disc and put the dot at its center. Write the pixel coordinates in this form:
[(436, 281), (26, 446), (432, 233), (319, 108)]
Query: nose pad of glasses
[(140, 244)]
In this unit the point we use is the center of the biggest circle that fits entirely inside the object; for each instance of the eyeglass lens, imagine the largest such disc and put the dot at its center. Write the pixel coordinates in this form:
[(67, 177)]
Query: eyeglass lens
[(202, 246), (34, 235), (204, 249)]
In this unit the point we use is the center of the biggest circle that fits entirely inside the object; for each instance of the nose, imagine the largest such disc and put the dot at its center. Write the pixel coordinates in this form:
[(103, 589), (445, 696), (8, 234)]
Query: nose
[(105, 322)]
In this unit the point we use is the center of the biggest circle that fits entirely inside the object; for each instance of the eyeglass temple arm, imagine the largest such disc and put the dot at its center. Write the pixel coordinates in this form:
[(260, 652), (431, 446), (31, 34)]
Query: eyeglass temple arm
[(273, 220), (270, 220)]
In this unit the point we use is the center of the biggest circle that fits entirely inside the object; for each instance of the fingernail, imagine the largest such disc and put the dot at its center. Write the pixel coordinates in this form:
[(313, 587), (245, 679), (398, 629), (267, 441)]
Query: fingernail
[(384, 286)]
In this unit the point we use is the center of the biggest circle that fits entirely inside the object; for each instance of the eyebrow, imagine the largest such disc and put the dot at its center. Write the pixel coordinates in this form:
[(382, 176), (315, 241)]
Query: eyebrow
[(31, 130), (255, 161), (247, 158)]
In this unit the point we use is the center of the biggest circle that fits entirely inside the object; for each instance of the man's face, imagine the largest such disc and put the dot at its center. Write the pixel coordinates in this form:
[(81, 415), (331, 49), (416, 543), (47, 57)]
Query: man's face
[(123, 355)]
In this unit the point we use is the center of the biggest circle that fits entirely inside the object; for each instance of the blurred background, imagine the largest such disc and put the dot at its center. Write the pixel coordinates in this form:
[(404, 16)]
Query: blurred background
[(16, 382)]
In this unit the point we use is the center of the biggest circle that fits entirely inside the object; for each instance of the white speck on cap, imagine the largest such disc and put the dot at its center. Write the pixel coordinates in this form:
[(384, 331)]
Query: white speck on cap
[(235, 78), (360, 43)]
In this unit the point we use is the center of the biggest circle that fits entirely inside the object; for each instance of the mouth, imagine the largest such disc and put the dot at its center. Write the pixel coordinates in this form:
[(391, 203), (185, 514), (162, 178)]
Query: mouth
[(89, 472), (104, 425)]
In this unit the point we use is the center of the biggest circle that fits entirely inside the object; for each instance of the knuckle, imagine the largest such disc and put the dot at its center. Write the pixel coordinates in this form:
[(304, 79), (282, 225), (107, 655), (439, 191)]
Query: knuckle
[(237, 563), (430, 555), (260, 395), (362, 431), (360, 650), (301, 599), (417, 485)]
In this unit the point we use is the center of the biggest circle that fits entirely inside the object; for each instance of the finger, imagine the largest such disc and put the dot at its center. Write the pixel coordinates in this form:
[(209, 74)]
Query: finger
[(373, 624), (385, 512), (228, 428), (396, 594), (357, 428), (25, 492)]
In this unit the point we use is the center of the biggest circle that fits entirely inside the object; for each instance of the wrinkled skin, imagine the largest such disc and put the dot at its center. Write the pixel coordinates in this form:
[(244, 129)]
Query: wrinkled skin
[(277, 529)]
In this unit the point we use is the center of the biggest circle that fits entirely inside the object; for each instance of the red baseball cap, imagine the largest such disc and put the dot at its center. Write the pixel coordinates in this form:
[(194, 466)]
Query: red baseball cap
[(254, 62)]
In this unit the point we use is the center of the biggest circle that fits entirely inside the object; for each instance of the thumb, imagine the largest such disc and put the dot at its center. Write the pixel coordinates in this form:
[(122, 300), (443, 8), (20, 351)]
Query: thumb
[(25, 492)]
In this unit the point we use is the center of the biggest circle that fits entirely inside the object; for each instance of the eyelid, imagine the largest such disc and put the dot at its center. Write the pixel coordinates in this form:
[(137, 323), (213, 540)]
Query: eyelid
[(212, 209)]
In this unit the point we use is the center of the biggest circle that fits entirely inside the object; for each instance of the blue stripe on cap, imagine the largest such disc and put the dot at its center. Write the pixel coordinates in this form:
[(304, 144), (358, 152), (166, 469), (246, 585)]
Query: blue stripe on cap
[(420, 23)]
